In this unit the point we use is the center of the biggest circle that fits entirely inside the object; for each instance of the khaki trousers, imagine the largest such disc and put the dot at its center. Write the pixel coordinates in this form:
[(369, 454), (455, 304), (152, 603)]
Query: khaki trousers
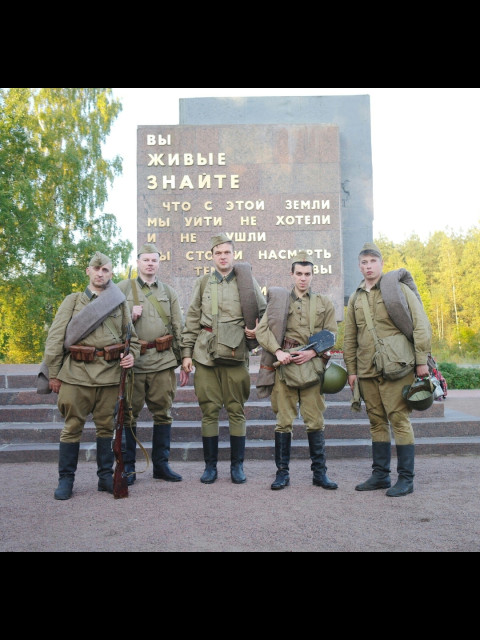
[(76, 403), (285, 401), (157, 390), (217, 387), (385, 406)]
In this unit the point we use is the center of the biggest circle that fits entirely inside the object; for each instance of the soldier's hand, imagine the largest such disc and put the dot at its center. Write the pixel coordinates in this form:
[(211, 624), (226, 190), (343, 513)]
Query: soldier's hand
[(137, 311), (54, 384), (283, 357), (187, 365), (184, 378), (422, 370), (351, 381), (250, 333), (127, 362), (300, 357)]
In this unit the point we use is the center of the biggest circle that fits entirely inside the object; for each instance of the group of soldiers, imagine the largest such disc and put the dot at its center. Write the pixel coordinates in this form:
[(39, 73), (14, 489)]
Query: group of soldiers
[(84, 357)]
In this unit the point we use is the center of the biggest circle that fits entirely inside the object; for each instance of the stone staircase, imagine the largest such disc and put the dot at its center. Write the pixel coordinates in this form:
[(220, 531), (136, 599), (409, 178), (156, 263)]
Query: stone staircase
[(30, 426)]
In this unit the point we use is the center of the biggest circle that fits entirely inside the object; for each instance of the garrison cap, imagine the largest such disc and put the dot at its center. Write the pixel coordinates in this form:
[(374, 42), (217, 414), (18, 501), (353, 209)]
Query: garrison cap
[(222, 238), (148, 248), (369, 248), (302, 256), (99, 260)]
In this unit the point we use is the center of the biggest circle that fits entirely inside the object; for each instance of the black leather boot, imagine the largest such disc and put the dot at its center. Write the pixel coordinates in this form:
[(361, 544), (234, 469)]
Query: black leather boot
[(161, 453), (316, 443), (210, 453), (67, 465), (380, 478), (130, 454), (237, 456), (105, 460), (283, 443), (405, 468)]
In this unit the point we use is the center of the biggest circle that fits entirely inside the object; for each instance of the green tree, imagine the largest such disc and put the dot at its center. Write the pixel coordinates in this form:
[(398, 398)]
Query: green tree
[(53, 186)]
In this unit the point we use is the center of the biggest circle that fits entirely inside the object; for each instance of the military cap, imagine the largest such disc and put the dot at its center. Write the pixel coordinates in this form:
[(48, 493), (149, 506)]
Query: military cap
[(302, 256), (148, 248), (99, 260), (369, 248), (222, 238)]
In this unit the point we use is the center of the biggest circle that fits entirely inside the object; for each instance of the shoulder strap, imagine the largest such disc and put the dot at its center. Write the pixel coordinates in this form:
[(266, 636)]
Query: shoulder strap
[(112, 329), (313, 312), (368, 317)]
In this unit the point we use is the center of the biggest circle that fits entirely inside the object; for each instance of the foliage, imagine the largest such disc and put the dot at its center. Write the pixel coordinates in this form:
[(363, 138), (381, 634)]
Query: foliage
[(53, 186), (460, 377)]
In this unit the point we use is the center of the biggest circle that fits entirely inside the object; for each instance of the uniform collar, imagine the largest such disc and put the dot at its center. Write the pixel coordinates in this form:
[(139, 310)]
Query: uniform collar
[(228, 278), (295, 297), (91, 295), (142, 283)]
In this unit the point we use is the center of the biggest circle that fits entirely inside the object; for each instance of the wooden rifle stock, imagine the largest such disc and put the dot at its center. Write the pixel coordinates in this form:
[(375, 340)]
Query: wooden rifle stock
[(120, 485)]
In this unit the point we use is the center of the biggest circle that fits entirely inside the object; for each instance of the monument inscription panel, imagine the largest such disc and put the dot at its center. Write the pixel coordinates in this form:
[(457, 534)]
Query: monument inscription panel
[(273, 189)]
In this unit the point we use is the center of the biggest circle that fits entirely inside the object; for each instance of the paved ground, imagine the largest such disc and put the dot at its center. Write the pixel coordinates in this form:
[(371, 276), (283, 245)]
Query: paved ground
[(442, 515)]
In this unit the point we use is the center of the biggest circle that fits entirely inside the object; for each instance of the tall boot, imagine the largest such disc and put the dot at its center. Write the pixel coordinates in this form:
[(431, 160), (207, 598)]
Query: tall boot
[(161, 453), (316, 443), (130, 454), (67, 465), (283, 443), (210, 453), (105, 460), (380, 478), (405, 468), (237, 456)]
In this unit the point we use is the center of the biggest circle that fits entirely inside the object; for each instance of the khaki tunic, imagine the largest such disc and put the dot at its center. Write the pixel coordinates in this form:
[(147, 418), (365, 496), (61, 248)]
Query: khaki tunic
[(150, 325), (383, 398), (284, 399)]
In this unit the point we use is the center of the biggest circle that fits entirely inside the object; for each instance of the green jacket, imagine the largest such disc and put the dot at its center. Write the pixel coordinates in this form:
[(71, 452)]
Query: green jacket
[(150, 325), (98, 373), (359, 345)]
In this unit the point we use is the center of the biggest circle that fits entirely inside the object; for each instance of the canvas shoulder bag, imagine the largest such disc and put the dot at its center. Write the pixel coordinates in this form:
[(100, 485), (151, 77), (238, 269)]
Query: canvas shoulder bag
[(394, 356)]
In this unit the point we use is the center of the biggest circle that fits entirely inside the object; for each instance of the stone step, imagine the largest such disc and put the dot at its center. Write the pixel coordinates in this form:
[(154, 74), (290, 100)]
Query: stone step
[(254, 450)]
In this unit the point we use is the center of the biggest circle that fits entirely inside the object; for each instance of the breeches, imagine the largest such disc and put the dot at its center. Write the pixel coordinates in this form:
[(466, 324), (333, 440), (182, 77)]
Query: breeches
[(217, 387), (76, 403), (285, 402), (385, 406), (157, 390)]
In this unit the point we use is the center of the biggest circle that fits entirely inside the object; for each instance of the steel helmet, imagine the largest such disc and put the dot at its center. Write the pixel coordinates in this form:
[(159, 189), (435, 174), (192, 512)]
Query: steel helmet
[(419, 395), (334, 379)]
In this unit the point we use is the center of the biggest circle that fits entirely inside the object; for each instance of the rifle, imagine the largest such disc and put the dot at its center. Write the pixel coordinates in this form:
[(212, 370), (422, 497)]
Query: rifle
[(120, 485)]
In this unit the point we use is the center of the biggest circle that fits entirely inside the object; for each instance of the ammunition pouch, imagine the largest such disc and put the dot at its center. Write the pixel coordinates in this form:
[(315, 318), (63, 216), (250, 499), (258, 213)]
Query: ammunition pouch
[(82, 354), (164, 343), (112, 352)]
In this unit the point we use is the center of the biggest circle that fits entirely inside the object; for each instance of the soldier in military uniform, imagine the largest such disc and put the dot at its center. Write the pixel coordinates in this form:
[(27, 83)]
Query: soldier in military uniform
[(383, 398), (302, 322), (218, 385), (158, 322), (85, 372)]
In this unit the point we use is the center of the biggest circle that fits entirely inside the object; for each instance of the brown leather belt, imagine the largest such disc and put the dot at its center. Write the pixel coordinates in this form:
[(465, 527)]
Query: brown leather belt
[(150, 345), (209, 329), (288, 343)]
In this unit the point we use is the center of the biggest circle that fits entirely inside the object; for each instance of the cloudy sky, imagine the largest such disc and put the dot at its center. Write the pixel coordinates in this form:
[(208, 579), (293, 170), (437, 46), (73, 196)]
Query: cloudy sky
[(425, 153)]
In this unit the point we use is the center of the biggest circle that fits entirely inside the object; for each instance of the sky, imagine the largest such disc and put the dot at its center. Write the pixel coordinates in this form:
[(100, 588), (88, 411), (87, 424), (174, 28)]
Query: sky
[(425, 153)]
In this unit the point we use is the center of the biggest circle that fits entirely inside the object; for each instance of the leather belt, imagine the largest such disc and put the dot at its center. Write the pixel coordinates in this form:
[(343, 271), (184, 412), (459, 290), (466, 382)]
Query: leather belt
[(150, 345), (288, 343), (209, 329), (263, 366), (100, 354)]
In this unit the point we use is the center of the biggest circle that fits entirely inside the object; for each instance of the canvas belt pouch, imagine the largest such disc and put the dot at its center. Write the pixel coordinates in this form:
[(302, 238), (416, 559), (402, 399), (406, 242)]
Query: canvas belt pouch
[(80, 353), (164, 343), (302, 376), (394, 356)]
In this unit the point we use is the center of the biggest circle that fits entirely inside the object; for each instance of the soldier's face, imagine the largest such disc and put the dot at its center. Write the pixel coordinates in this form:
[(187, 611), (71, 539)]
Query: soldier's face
[(302, 277), (147, 265), (223, 258), (99, 277), (371, 267)]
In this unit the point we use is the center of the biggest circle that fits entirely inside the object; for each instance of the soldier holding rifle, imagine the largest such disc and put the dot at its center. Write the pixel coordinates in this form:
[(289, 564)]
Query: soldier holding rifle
[(82, 363)]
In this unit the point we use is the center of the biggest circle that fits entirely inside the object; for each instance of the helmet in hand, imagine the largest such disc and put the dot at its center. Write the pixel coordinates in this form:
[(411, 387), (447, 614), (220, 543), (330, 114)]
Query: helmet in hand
[(334, 378), (419, 395)]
